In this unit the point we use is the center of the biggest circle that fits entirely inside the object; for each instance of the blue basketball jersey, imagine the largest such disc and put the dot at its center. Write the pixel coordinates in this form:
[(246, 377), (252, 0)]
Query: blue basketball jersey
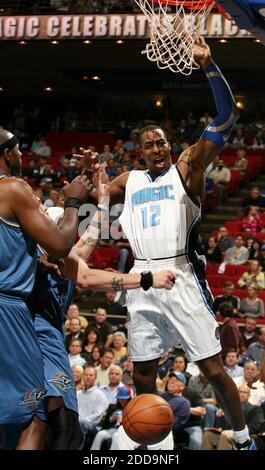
[(51, 297), (18, 260)]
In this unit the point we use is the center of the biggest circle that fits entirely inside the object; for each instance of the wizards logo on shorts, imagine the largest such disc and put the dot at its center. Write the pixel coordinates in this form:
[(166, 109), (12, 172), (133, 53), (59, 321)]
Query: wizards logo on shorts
[(62, 381), (33, 398)]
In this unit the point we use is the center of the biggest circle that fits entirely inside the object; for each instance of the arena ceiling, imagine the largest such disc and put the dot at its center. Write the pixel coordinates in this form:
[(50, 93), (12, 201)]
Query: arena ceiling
[(27, 68)]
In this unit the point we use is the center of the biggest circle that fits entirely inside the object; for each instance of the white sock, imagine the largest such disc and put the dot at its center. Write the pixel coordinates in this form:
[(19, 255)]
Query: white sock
[(121, 441), (166, 444), (242, 436)]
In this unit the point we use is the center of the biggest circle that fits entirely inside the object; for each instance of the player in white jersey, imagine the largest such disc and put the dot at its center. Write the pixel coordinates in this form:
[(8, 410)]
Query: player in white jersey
[(161, 219)]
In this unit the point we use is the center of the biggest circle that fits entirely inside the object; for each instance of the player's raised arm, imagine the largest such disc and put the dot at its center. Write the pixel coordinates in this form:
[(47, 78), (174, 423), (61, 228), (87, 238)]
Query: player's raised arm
[(218, 131), (88, 240)]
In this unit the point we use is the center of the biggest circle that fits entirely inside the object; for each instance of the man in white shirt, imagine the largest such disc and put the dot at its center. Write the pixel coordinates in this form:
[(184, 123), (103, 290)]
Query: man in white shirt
[(238, 254), (92, 403), (104, 367)]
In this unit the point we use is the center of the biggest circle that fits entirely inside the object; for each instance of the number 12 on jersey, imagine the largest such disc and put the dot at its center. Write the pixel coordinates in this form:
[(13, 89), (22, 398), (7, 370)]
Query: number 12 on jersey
[(150, 216)]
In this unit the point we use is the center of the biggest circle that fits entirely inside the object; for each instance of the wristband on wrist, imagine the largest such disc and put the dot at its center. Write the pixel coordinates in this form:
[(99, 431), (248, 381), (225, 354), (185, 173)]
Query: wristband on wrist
[(146, 280), (72, 202), (100, 207)]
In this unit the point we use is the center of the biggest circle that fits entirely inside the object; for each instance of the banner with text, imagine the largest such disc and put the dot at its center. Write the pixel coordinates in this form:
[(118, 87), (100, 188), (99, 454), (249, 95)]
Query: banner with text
[(126, 26)]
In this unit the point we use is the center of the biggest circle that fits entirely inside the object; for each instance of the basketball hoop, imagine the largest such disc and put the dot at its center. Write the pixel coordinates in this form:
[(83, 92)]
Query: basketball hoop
[(174, 27)]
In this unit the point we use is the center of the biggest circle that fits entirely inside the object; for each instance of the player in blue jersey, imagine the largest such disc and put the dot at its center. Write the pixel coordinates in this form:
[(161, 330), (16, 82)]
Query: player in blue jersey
[(48, 303), (22, 225), (162, 226)]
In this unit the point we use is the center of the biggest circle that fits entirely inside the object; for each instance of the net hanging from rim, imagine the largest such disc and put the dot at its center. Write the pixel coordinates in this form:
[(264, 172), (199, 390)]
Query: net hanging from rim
[(174, 27)]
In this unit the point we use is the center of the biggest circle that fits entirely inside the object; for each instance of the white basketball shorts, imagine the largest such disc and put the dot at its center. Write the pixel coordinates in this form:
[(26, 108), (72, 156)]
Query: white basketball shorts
[(160, 318)]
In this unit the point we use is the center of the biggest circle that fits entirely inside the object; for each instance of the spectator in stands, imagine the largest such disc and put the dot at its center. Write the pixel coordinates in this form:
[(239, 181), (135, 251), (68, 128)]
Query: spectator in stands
[(75, 348), (90, 339), (241, 163), (119, 349), (261, 257), (206, 391), (106, 155), (238, 254), (164, 364), (104, 367), (180, 405), (130, 144), (111, 306), (44, 149), (96, 354), (213, 253), (73, 312), (31, 171), (180, 365), (220, 439), (252, 221), (257, 393), (114, 382), (206, 119), (249, 335), (78, 373), (104, 327), (193, 427), (111, 169), (254, 199), (112, 419), (139, 164), (223, 240), (74, 332), (227, 297), (230, 337), (256, 351), (254, 248), (64, 172), (92, 403), (221, 177), (253, 275), (231, 364), (252, 305), (239, 140)]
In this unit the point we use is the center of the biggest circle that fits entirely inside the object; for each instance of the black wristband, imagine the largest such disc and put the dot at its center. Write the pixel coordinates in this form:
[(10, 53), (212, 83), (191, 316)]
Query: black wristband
[(72, 202), (146, 280)]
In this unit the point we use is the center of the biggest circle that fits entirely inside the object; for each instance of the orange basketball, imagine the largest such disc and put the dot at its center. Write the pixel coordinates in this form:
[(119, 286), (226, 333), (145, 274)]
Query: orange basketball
[(147, 419)]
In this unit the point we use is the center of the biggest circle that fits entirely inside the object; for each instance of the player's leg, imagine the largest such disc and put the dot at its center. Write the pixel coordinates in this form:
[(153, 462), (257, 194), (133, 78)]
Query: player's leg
[(144, 376), (64, 426), (227, 395), (64, 432), (32, 435)]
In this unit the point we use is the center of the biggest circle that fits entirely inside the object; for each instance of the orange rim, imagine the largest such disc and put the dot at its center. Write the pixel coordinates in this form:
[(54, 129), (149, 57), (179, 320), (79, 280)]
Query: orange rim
[(194, 5)]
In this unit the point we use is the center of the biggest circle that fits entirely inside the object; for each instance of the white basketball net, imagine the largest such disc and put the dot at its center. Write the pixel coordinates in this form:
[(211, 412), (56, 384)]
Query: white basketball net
[(173, 32)]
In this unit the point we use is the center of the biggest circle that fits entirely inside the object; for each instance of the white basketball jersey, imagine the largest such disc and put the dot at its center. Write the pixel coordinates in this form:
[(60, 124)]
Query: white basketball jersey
[(160, 218)]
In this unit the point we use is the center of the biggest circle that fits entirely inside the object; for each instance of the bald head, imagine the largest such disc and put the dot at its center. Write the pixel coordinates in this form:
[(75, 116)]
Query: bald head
[(10, 156), (5, 136)]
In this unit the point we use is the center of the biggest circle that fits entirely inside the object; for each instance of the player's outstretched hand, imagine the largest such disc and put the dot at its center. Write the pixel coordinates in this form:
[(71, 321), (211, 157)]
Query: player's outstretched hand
[(80, 188), (202, 53), (164, 279), (89, 159)]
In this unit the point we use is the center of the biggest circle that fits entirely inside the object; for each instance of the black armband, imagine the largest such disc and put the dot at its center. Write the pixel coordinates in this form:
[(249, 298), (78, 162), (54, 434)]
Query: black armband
[(72, 202), (146, 280)]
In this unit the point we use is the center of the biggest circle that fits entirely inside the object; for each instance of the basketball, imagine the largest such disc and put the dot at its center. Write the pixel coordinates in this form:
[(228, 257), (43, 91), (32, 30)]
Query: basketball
[(147, 419)]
